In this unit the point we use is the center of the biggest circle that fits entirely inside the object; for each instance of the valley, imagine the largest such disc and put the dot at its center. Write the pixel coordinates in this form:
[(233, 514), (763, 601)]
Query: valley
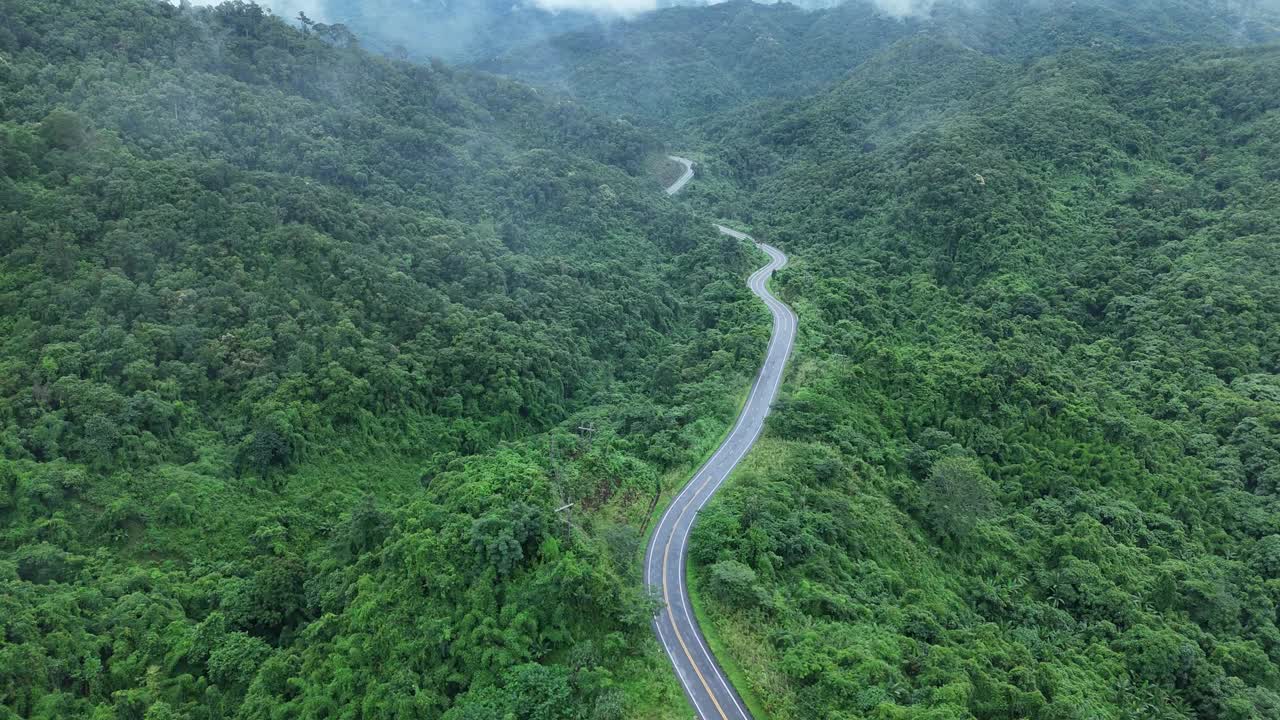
[(367, 374)]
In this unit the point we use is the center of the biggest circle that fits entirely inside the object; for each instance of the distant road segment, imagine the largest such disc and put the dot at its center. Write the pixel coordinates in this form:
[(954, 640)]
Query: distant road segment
[(678, 185)]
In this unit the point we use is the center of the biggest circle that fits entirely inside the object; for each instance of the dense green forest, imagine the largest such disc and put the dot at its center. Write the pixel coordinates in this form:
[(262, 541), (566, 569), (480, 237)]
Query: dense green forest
[(1026, 465), (674, 68), (685, 63), (302, 347), (294, 344)]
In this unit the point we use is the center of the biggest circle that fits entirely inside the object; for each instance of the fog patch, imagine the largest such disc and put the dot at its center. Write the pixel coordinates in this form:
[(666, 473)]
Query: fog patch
[(905, 8), (600, 7)]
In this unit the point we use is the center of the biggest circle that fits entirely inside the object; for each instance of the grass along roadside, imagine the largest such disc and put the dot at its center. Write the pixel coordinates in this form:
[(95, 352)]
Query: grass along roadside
[(745, 656), (665, 170), (723, 656)]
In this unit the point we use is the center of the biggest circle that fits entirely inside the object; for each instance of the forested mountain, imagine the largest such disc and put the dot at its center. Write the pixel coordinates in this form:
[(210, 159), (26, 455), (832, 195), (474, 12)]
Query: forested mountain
[(293, 344), (677, 65), (474, 30), (304, 351), (1026, 465), (690, 59), (682, 63)]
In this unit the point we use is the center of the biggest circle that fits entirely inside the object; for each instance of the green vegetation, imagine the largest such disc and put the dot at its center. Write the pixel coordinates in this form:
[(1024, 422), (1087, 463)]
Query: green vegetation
[(675, 68), (294, 346), (724, 656), (686, 63), (1025, 464), (302, 349)]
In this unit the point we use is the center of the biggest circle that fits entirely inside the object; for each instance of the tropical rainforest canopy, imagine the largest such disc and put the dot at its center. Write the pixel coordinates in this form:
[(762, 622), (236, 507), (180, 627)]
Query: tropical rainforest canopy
[(279, 323), (1027, 465), (302, 348)]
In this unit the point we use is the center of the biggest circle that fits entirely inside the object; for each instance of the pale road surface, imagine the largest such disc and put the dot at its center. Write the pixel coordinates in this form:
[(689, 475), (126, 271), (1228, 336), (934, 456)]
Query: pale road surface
[(678, 185), (713, 697)]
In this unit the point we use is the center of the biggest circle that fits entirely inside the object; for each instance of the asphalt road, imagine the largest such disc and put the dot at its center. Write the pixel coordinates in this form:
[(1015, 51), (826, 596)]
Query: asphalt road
[(678, 185), (710, 691)]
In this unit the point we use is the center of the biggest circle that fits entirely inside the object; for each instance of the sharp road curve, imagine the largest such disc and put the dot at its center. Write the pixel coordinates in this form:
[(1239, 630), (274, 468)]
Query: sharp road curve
[(678, 185), (710, 691)]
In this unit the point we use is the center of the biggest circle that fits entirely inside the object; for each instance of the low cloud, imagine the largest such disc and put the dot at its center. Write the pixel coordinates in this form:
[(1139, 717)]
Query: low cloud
[(315, 9), (905, 8), (894, 8), (600, 7)]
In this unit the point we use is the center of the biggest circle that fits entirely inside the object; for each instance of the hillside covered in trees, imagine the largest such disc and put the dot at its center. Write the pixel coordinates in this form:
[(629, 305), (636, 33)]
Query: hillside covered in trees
[(1026, 464), (302, 348), (673, 69), (294, 343)]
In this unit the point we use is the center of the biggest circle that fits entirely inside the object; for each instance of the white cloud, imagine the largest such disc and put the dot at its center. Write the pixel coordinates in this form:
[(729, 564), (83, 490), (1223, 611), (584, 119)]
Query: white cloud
[(602, 7), (894, 8), (904, 8)]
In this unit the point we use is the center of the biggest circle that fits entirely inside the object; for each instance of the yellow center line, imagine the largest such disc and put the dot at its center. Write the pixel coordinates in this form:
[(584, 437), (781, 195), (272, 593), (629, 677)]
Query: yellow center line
[(666, 550), (666, 596)]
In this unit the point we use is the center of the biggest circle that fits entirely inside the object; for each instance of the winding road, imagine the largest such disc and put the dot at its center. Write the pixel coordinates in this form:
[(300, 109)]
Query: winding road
[(710, 691), (678, 185)]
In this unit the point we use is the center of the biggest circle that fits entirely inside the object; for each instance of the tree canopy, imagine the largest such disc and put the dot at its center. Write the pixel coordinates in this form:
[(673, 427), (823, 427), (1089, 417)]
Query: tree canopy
[(294, 345), (1024, 466)]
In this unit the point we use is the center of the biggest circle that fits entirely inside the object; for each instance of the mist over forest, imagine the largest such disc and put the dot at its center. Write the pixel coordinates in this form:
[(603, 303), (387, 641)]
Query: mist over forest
[(478, 30)]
